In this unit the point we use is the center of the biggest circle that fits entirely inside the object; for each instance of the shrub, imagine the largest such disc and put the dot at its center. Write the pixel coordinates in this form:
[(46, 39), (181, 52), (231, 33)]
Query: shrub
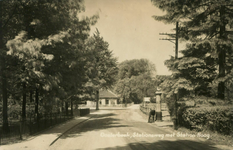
[(14, 111), (153, 100), (209, 101), (171, 105), (215, 118)]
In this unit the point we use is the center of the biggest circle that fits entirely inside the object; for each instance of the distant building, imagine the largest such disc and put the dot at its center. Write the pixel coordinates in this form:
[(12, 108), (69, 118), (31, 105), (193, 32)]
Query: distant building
[(106, 98)]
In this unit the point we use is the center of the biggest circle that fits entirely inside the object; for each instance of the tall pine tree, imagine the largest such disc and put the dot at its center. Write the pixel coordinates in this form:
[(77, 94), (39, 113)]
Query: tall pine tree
[(206, 25), (101, 65)]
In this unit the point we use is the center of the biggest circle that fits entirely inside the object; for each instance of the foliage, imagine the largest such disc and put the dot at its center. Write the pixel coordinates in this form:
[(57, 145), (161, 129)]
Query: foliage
[(207, 101), (135, 67), (43, 47), (101, 65), (205, 26), (161, 78), (216, 118), (31, 57), (136, 79), (199, 102), (153, 100)]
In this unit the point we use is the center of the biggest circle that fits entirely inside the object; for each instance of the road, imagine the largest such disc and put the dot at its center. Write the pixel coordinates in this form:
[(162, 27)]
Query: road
[(126, 129)]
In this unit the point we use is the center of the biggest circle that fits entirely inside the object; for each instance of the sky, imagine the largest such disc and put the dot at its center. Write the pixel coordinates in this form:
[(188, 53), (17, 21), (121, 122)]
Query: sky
[(130, 30)]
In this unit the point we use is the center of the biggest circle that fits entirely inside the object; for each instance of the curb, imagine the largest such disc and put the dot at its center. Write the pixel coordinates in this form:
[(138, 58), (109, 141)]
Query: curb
[(68, 131), (40, 132)]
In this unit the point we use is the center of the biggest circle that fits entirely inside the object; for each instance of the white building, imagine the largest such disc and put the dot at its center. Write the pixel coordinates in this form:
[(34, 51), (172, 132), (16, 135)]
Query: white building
[(106, 98)]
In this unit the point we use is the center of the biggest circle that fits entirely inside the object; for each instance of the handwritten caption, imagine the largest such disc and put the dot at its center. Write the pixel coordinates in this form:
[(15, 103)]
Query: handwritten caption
[(161, 136)]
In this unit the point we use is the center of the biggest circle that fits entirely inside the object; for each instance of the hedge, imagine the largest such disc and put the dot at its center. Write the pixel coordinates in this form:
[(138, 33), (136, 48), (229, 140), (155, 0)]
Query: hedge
[(215, 118)]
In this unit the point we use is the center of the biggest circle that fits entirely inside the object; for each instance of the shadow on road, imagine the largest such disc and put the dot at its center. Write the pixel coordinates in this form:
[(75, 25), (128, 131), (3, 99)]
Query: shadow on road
[(165, 126), (98, 122), (113, 108), (166, 145), (103, 115)]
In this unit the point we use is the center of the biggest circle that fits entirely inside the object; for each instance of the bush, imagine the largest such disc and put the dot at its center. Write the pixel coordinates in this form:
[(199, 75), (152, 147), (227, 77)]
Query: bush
[(153, 100), (209, 101), (215, 118), (170, 103)]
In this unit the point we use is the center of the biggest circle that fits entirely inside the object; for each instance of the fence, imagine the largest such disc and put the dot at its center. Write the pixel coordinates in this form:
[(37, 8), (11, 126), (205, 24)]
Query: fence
[(19, 130), (146, 109), (108, 105)]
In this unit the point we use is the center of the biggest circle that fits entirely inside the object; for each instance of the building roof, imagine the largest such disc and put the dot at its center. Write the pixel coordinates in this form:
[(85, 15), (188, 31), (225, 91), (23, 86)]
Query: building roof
[(107, 94)]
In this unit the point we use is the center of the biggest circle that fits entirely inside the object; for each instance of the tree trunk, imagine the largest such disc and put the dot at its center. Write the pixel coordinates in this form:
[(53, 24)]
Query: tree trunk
[(221, 85), (4, 97), (62, 106), (97, 99), (222, 56), (24, 101), (31, 95), (76, 105), (71, 105), (66, 108), (5, 125), (36, 102), (125, 101)]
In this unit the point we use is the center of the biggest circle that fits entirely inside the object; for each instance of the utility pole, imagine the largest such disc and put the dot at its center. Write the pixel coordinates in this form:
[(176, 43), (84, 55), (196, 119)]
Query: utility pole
[(174, 37), (177, 26), (222, 55)]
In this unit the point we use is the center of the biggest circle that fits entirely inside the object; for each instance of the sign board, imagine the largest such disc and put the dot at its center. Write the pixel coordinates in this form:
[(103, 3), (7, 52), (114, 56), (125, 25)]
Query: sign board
[(146, 99)]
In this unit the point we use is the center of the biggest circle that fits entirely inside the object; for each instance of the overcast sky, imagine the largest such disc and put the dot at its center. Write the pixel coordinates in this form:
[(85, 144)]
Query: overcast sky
[(130, 30)]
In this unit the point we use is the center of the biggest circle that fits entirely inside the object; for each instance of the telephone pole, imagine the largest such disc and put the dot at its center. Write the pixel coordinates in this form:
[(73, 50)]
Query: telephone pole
[(174, 37)]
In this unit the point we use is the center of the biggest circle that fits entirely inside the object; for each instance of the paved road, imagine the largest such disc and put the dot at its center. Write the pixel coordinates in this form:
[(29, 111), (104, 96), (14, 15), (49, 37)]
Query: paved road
[(126, 129)]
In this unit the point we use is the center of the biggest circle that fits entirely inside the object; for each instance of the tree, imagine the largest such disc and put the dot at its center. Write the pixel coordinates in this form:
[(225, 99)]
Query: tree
[(29, 52), (205, 25), (135, 79), (3, 75), (69, 62), (29, 19), (101, 65), (123, 87), (32, 31)]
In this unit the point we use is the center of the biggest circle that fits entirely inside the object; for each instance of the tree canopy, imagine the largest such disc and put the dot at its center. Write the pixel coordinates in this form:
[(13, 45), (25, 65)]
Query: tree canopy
[(45, 50), (101, 65), (206, 26), (136, 79)]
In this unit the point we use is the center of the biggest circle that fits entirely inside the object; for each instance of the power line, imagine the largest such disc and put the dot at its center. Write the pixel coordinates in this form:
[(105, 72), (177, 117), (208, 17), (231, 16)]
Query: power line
[(174, 39)]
